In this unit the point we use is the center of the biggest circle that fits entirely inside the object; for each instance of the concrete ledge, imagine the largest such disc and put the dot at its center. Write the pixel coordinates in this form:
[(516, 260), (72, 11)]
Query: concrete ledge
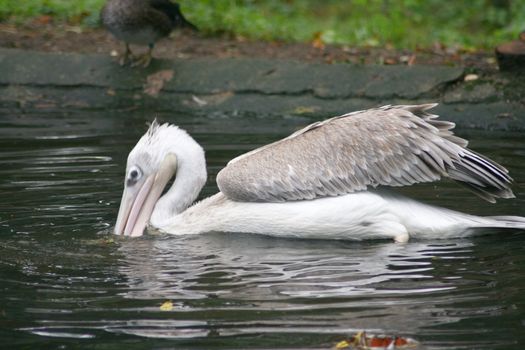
[(71, 81)]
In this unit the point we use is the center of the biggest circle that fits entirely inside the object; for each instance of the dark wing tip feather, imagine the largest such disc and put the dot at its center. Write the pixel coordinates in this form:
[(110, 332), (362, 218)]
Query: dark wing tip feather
[(482, 176), (485, 178)]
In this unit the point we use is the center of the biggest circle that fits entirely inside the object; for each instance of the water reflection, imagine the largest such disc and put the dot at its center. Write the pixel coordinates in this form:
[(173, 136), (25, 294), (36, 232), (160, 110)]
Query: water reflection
[(380, 286), (250, 265)]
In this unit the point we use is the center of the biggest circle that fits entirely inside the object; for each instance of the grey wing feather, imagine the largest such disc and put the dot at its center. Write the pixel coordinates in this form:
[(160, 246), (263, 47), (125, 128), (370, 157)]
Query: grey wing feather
[(390, 146)]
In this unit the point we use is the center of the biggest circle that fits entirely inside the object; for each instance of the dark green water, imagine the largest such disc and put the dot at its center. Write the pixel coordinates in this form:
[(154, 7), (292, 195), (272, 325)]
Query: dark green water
[(66, 282)]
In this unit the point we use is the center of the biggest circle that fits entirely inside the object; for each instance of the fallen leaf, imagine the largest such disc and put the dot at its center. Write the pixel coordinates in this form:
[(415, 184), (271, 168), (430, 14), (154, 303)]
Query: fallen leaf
[(155, 82), (471, 77), (305, 109), (166, 306), (342, 344), (363, 341), (199, 101), (379, 342), (240, 38), (400, 341), (43, 20), (390, 61), (411, 60), (74, 29), (317, 41), (209, 100), (79, 18)]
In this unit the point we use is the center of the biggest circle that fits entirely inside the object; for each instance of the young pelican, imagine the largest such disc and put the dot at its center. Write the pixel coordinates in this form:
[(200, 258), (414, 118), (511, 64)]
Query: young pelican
[(319, 182)]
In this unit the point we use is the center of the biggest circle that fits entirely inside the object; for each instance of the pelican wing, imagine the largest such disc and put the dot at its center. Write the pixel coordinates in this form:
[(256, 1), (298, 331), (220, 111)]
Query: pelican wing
[(390, 146)]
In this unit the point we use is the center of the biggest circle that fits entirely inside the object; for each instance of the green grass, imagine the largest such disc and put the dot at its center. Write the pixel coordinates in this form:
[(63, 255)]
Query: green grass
[(400, 23)]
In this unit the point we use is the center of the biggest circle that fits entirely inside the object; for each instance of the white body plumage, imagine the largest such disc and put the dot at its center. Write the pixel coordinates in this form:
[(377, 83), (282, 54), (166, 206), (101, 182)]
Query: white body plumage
[(356, 216)]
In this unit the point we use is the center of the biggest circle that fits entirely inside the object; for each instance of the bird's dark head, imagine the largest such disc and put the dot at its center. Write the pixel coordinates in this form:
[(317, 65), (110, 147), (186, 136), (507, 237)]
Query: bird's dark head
[(172, 10)]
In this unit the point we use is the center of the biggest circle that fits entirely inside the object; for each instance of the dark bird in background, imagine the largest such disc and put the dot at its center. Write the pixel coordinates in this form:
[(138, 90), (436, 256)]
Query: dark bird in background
[(142, 22)]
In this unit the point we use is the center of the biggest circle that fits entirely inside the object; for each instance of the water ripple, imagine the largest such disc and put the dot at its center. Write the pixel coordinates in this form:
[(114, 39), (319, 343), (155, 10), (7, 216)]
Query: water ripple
[(65, 278)]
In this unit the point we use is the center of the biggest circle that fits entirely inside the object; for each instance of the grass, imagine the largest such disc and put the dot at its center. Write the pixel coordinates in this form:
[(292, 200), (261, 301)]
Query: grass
[(399, 23)]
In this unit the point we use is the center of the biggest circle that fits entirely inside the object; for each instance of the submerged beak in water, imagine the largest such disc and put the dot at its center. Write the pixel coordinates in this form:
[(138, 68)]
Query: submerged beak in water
[(140, 196)]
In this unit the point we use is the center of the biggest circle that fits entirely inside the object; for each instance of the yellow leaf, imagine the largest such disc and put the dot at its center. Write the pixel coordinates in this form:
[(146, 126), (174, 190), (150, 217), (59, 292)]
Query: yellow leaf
[(305, 109), (317, 42), (166, 306), (342, 345)]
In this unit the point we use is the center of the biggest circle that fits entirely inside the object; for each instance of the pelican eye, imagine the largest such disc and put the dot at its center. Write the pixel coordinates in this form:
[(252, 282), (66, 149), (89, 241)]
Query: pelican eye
[(133, 176)]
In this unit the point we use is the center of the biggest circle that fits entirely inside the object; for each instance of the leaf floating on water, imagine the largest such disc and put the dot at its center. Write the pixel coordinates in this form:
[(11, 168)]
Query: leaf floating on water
[(166, 306), (342, 345), (305, 109), (363, 341)]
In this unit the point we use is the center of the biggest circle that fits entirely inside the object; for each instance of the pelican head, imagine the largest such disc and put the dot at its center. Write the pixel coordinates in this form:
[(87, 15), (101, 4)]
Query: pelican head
[(163, 152)]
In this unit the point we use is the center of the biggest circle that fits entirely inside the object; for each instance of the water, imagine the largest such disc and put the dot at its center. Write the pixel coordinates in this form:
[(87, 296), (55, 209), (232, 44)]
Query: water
[(66, 282)]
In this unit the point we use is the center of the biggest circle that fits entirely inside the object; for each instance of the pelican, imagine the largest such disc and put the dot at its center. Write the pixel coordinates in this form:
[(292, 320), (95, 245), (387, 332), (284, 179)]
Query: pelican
[(324, 181)]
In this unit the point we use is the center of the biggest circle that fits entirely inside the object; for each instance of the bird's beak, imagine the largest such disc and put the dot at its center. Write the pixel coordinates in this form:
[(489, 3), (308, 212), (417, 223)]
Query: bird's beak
[(138, 202)]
